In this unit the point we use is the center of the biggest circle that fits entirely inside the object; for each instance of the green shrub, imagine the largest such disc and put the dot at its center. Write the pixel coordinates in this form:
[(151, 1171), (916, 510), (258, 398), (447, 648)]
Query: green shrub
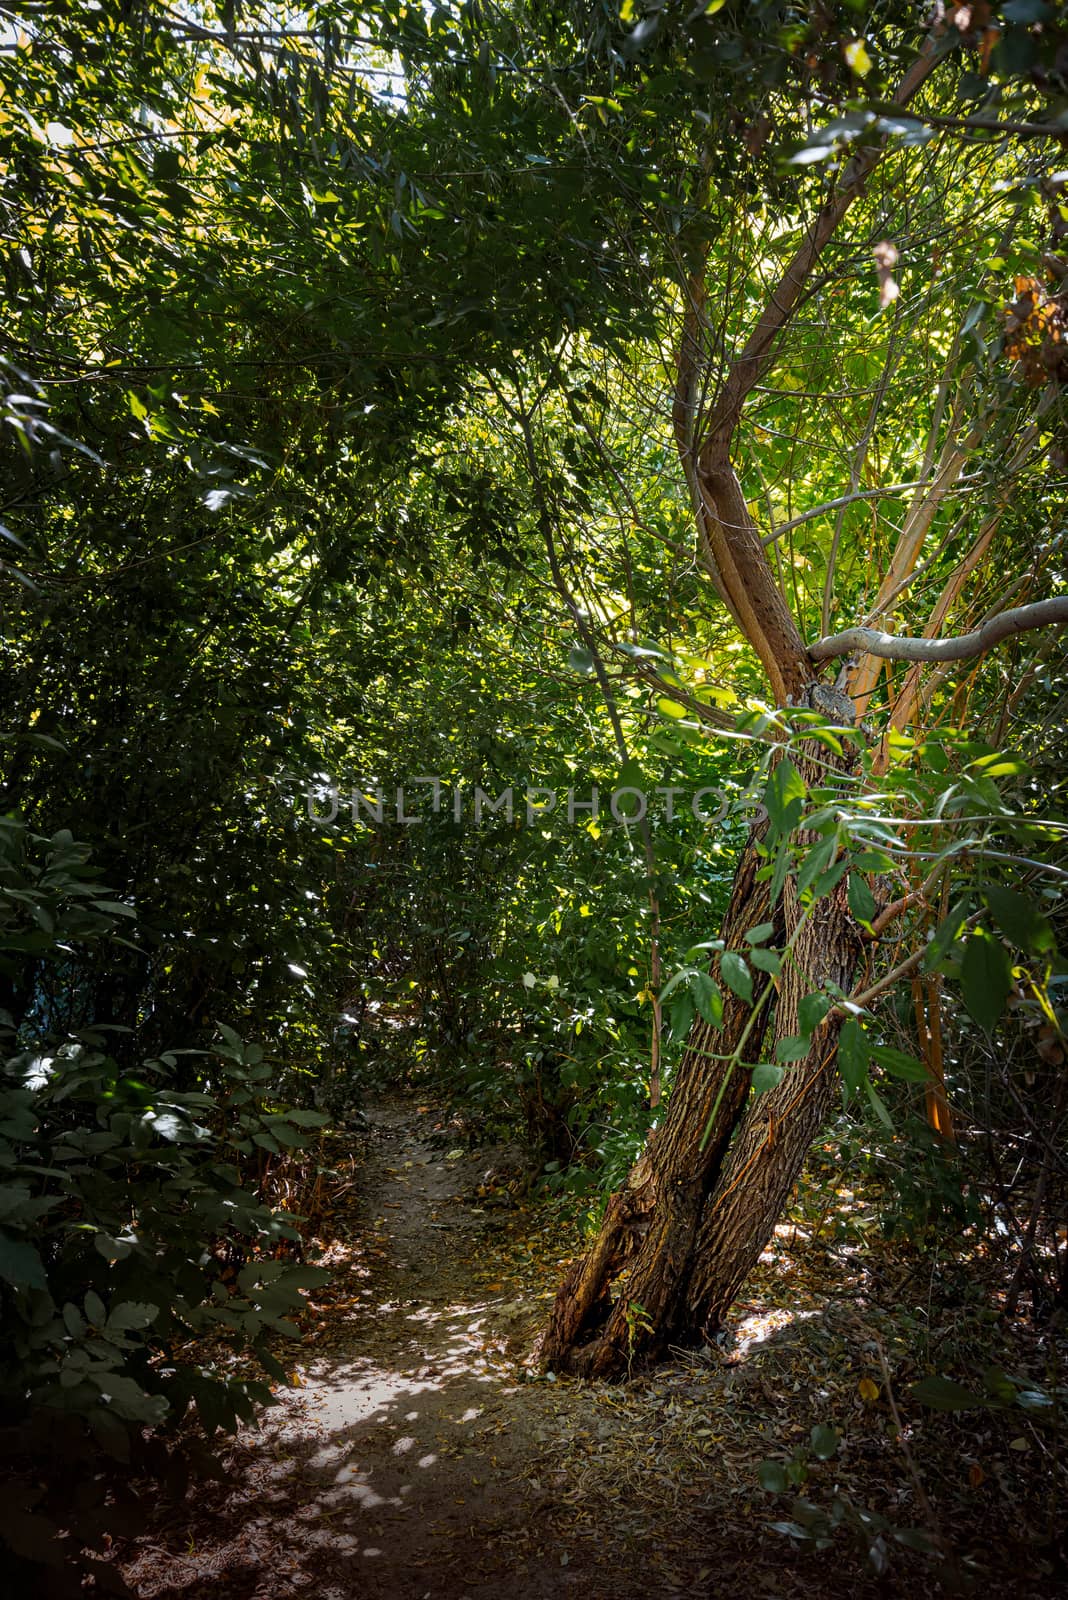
[(128, 1239)]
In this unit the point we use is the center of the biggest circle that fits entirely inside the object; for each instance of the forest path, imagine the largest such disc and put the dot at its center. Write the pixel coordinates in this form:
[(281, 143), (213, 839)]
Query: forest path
[(417, 1460)]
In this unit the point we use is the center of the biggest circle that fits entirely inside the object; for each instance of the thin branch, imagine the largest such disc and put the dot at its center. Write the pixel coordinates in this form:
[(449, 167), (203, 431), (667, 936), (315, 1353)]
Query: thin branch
[(971, 482), (753, 361), (1057, 130)]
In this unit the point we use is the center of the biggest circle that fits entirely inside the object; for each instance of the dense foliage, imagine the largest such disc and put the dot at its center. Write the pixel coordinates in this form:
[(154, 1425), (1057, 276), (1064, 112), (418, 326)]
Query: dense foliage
[(339, 460)]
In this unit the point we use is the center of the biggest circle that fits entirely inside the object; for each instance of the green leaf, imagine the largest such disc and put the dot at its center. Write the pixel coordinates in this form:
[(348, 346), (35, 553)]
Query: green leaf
[(784, 860), (945, 935), (878, 1105), (852, 1055), (166, 164), (825, 1441), (784, 796), (766, 1076), (630, 776), (682, 1012), (942, 1394), (861, 900), (766, 961), (772, 1476), (898, 1064), (20, 1264), (792, 1048), (986, 978), (811, 1012), (1019, 919), (707, 998), (829, 879), (999, 1385), (130, 1315), (74, 1321), (816, 862), (872, 861), (736, 974), (127, 1399), (112, 1249), (762, 932)]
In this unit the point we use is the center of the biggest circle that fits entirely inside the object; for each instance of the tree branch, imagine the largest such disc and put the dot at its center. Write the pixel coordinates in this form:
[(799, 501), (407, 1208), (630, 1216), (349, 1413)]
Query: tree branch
[(1057, 129), (1043, 614), (750, 365), (851, 499)]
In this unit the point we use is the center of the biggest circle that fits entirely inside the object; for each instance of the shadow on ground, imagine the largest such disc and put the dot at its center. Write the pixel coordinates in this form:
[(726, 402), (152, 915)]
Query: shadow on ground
[(418, 1460)]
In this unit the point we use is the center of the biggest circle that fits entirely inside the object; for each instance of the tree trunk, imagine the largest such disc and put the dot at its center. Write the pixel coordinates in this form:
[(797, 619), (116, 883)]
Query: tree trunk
[(769, 1152), (650, 1224), (701, 1202)]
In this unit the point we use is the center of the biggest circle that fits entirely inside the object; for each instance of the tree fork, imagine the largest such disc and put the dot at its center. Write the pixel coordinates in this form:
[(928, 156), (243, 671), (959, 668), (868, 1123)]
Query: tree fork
[(655, 1225)]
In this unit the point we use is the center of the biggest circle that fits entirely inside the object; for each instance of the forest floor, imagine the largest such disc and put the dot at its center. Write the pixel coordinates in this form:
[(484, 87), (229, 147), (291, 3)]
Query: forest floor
[(419, 1458)]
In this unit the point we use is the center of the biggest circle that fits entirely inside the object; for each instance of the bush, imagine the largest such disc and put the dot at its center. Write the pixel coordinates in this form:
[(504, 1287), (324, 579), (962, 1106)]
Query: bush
[(126, 1231)]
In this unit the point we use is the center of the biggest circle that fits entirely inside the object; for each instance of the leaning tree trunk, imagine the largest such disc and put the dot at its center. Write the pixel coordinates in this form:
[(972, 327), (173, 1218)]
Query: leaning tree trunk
[(770, 1149), (700, 1204), (650, 1225)]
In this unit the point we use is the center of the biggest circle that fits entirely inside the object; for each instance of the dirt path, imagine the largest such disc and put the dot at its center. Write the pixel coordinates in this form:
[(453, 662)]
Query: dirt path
[(418, 1460)]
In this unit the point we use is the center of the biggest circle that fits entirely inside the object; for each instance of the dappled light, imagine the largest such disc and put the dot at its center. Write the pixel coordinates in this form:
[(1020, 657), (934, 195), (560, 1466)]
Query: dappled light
[(533, 827)]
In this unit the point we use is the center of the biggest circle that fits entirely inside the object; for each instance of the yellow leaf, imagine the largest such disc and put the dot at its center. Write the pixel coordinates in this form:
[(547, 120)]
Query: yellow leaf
[(857, 56), (868, 1390)]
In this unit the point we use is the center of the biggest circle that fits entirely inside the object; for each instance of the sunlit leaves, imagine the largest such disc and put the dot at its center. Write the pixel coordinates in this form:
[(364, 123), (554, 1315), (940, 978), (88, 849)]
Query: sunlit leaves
[(857, 56)]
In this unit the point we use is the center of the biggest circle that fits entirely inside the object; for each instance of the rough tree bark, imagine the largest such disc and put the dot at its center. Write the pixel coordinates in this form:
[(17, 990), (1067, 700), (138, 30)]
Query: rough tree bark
[(698, 1207), (651, 1223)]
